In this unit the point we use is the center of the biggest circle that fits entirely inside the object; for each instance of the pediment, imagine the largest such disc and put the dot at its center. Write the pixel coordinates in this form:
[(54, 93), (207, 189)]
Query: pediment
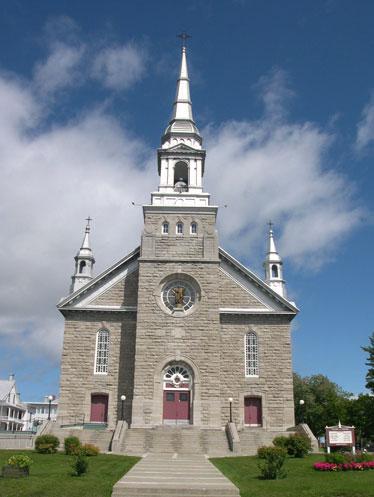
[(243, 292), (114, 289), (181, 147)]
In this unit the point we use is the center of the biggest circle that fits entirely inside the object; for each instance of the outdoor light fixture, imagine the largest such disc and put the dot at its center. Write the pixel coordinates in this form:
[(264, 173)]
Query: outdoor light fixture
[(123, 398), (301, 403), (50, 398), (231, 400)]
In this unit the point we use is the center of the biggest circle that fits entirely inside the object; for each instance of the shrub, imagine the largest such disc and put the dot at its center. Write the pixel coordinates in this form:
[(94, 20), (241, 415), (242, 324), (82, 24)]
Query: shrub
[(271, 462), (337, 458), (363, 457), (281, 441), (46, 444), (298, 445), (80, 465), (71, 445), (90, 450), (20, 461)]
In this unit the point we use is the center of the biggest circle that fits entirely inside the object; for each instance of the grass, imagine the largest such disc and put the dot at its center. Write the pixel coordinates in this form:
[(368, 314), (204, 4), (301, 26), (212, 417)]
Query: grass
[(51, 476), (301, 481)]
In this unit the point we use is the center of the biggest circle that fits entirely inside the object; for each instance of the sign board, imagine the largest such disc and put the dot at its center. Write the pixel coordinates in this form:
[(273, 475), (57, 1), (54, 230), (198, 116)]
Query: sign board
[(340, 436)]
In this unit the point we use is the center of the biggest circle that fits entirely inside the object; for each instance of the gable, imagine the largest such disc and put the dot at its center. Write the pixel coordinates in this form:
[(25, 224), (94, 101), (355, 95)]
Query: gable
[(114, 289), (124, 293), (234, 294), (242, 291)]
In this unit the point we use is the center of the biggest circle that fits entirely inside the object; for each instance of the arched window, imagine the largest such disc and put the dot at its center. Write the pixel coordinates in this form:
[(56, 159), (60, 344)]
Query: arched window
[(165, 228), (181, 173), (193, 228), (251, 354), (102, 352), (179, 228), (274, 271), (82, 265)]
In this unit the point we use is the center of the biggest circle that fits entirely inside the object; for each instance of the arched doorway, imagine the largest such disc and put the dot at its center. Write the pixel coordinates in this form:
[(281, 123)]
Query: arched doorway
[(177, 394)]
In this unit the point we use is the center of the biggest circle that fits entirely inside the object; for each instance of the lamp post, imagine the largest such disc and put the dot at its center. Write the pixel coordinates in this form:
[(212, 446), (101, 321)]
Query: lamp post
[(230, 399), (123, 398), (301, 403), (50, 398)]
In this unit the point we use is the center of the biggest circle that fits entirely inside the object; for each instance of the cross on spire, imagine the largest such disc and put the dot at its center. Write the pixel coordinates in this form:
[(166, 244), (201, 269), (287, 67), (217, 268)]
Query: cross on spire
[(184, 37), (88, 219), (270, 224)]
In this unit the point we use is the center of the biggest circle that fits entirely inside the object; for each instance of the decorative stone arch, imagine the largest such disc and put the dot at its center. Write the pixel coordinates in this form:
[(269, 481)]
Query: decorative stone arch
[(158, 388)]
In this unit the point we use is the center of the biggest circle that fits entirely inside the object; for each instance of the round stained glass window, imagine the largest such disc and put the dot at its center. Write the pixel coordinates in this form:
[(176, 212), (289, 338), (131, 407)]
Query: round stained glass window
[(178, 295)]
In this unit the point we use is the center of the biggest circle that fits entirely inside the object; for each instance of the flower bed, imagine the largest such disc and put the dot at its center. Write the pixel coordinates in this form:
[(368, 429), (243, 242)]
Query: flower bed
[(348, 466)]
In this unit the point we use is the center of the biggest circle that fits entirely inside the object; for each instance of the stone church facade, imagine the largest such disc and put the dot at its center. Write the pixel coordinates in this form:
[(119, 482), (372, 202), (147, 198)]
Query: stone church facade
[(178, 332)]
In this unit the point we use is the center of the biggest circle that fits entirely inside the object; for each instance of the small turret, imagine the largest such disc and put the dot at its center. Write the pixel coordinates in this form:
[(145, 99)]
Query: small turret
[(273, 266), (84, 261)]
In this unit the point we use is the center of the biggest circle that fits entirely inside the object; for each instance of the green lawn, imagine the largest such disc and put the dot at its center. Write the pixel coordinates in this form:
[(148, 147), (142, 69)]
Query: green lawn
[(301, 481), (50, 476)]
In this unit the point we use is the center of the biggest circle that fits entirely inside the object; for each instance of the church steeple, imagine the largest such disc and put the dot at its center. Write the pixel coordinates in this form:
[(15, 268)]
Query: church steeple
[(84, 261), (181, 158), (274, 266)]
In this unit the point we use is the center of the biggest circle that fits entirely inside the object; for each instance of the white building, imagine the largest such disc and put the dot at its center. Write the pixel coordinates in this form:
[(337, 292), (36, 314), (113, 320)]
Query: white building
[(12, 411), (37, 412)]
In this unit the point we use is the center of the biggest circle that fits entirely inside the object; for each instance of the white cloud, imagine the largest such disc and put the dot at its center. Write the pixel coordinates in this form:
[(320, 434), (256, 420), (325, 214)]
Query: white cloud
[(118, 68), (61, 69), (273, 169), (365, 128)]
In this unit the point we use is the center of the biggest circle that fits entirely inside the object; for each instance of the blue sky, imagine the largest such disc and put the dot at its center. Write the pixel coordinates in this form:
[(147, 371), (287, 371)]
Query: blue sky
[(283, 94)]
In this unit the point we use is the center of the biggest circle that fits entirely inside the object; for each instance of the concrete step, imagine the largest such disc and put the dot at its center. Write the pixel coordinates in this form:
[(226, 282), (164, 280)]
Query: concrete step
[(174, 476)]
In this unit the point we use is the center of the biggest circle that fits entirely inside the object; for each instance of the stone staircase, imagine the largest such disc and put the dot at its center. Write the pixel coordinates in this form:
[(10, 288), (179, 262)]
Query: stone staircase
[(171, 440), (101, 438)]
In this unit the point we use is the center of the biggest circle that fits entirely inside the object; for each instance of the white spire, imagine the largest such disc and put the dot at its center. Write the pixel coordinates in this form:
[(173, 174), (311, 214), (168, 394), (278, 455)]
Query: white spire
[(84, 261), (182, 119), (183, 106), (273, 266)]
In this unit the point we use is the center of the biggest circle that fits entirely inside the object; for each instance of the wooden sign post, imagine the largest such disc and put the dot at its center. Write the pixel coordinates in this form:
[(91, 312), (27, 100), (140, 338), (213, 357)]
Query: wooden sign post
[(340, 436)]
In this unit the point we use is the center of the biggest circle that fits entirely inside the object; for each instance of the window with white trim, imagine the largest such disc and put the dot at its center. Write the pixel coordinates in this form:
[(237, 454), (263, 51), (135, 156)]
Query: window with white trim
[(193, 228), (251, 354), (165, 228), (102, 352), (179, 228)]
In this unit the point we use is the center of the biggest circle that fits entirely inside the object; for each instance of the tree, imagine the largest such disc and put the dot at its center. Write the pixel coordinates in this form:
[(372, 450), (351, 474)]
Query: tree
[(370, 362), (360, 414), (325, 402)]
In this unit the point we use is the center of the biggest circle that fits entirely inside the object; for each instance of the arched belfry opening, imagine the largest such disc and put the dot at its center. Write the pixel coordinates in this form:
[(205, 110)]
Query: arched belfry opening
[(177, 381), (181, 175)]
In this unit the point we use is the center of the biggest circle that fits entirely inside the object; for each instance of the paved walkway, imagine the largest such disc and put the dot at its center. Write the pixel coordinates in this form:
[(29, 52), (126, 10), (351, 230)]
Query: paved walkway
[(168, 475)]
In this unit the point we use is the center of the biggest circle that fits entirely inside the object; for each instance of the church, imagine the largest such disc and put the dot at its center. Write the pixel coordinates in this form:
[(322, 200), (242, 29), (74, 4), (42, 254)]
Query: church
[(178, 333)]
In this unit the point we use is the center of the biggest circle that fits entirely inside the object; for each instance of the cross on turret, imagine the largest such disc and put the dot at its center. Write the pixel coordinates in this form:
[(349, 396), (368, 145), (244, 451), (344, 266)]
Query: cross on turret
[(184, 37)]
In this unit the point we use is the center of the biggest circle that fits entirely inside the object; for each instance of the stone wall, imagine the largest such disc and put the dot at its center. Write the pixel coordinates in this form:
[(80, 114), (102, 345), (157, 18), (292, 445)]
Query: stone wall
[(274, 382), (78, 380)]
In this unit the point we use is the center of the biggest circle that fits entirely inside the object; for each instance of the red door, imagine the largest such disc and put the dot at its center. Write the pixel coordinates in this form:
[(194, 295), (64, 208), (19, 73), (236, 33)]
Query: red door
[(252, 411), (176, 405), (99, 408)]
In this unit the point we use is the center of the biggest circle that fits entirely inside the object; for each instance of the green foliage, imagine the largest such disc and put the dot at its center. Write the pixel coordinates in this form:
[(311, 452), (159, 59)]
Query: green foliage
[(325, 402), (46, 444), (280, 441), (80, 465), (20, 461), (298, 445), (370, 362), (336, 458), (360, 414), (90, 450), (339, 457), (271, 461), (72, 445)]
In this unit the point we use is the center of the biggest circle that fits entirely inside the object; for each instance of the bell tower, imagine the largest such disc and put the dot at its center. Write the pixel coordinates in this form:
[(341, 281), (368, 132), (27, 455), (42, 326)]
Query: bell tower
[(181, 158)]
